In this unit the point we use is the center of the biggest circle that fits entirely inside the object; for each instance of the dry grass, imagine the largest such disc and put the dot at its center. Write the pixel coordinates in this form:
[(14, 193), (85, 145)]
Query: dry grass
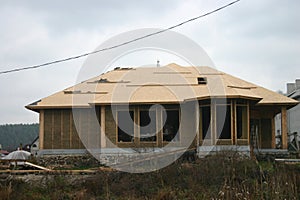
[(215, 177)]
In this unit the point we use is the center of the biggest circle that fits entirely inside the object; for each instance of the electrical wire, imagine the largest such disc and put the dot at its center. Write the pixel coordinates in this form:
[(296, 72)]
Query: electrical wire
[(118, 45)]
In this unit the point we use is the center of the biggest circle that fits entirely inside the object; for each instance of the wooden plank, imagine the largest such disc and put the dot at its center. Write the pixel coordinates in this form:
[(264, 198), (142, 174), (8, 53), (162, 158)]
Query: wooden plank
[(273, 133), (284, 130), (111, 128), (75, 138), (47, 133), (213, 121), (61, 129), (36, 166), (42, 128), (82, 130), (233, 122), (159, 126), (66, 129), (248, 122), (55, 172), (102, 119), (136, 129), (52, 129), (56, 123), (200, 131), (197, 113), (71, 127), (287, 160)]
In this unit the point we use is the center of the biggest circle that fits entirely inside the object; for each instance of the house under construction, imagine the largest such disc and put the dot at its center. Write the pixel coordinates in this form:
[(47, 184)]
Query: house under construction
[(176, 106)]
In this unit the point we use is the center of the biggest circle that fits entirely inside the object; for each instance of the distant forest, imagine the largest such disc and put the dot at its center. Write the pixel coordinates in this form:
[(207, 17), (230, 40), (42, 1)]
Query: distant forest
[(12, 135)]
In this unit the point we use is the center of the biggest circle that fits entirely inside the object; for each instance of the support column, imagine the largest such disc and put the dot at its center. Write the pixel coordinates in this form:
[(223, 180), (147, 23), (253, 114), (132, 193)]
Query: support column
[(284, 130), (41, 133), (136, 130), (248, 124), (200, 131), (62, 146), (273, 134), (213, 122), (233, 122), (102, 124), (197, 113), (159, 126)]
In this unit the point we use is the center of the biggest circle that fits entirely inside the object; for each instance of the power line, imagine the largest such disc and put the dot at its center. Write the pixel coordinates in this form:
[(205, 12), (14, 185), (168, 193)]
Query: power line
[(118, 45)]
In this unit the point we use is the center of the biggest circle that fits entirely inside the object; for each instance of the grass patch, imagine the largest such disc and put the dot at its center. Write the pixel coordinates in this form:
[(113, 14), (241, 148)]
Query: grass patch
[(214, 177)]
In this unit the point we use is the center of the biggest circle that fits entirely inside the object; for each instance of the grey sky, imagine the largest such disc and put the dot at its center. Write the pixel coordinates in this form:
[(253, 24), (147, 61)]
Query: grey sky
[(255, 40)]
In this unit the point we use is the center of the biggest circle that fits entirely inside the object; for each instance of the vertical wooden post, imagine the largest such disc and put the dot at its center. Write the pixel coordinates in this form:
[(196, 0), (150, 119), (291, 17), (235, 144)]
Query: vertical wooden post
[(273, 144), (41, 133), (213, 121), (159, 127), (71, 129), (102, 130), (200, 131), (79, 128), (248, 123), (197, 113), (284, 131), (62, 146), (89, 129), (52, 130), (233, 122), (136, 126)]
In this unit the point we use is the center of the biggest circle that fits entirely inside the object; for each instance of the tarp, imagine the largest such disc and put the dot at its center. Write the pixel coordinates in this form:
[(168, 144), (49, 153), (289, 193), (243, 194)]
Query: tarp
[(17, 155), (4, 152)]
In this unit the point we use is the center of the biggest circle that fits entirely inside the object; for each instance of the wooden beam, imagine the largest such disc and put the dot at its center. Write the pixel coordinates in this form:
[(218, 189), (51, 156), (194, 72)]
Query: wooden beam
[(213, 122), (248, 123), (136, 131), (233, 122), (42, 128), (284, 131), (197, 113), (102, 130), (200, 131), (273, 144), (159, 126), (70, 129), (52, 129), (61, 130)]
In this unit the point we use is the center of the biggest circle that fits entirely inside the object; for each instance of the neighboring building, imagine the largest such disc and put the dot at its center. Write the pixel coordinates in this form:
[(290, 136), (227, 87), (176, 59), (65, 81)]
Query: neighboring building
[(34, 146), (293, 114), (198, 104)]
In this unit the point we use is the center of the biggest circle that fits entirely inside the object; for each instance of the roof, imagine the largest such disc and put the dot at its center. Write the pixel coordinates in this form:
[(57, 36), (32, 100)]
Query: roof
[(295, 94), (168, 84)]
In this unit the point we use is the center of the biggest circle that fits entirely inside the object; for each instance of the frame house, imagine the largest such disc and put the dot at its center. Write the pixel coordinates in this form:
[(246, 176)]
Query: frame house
[(138, 108)]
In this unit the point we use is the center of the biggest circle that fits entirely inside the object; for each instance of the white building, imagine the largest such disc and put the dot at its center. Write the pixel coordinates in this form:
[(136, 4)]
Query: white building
[(293, 114)]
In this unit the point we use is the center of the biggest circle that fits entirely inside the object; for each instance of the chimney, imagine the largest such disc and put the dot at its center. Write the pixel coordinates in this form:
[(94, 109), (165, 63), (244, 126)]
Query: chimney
[(290, 87), (297, 84)]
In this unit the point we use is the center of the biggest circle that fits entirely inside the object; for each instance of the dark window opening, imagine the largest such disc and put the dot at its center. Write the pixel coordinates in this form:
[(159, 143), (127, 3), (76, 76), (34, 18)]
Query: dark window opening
[(125, 126), (202, 80), (241, 102), (148, 126), (241, 119), (266, 133), (171, 126), (206, 117), (223, 122)]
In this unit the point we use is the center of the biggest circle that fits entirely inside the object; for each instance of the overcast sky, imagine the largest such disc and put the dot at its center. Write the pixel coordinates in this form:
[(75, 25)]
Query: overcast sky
[(258, 41)]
